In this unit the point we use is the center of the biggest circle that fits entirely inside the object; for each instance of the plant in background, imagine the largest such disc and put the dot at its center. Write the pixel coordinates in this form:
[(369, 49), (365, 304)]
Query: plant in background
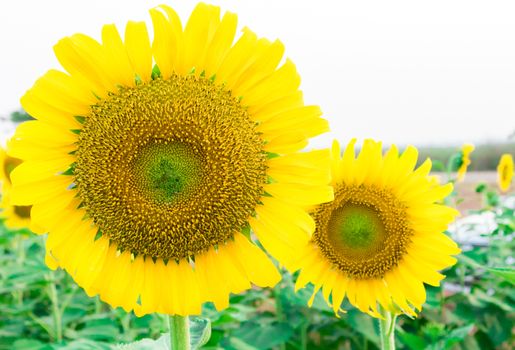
[(505, 172), (149, 176), (463, 160), (381, 238)]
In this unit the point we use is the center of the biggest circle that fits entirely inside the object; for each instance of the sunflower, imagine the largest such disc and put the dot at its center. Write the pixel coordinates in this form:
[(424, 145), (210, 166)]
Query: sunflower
[(505, 172), (381, 238), (464, 160), (15, 216), (151, 160)]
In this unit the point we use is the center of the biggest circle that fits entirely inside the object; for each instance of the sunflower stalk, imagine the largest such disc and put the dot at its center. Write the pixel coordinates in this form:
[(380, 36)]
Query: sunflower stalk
[(56, 312), (387, 330), (179, 332)]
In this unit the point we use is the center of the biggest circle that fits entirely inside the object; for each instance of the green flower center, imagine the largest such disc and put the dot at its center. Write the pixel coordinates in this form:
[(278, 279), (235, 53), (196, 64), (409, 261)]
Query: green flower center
[(166, 172), (357, 228)]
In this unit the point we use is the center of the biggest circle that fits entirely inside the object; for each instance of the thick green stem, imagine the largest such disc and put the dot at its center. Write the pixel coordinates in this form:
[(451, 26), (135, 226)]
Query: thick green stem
[(179, 332), (387, 329), (56, 312)]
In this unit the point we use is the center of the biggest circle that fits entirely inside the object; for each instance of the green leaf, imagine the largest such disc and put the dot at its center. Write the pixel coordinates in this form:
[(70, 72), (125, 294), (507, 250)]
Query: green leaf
[(162, 343), (238, 344), (363, 324), (264, 336), (200, 331), (481, 188), (457, 335), (508, 273), (412, 341), (30, 344)]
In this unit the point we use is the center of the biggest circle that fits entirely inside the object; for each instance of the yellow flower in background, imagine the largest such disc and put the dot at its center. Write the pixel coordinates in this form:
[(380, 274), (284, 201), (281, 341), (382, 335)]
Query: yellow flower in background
[(466, 150), (505, 172), (151, 160), (382, 237), (7, 165), (15, 216)]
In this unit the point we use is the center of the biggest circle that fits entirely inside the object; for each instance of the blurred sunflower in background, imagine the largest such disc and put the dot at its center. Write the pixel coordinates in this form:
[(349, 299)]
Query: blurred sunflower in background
[(149, 162), (464, 160), (382, 237), (15, 216), (505, 172)]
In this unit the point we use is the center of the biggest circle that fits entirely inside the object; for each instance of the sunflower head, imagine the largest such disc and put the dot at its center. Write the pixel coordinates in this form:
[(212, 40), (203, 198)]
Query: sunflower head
[(382, 237), (150, 158), (505, 172), (464, 161)]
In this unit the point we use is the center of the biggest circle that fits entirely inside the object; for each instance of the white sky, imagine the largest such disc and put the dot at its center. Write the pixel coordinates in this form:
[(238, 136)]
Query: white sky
[(421, 72)]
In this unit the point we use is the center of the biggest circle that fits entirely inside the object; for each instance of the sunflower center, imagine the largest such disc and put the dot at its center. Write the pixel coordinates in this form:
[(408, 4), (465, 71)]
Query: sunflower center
[(165, 172), (355, 227), (22, 211), (364, 232), (170, 168)]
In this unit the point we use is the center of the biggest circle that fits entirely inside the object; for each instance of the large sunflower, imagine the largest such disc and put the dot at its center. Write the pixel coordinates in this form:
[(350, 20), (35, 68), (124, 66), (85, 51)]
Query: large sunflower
[(505, 172), (15, 216), (381, 238), (149, 162)]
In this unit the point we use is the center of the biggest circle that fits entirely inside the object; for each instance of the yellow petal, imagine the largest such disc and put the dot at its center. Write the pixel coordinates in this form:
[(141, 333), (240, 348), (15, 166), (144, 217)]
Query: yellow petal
[(38, 191), (264, 112), (116, 56), (138, 49), (220, 44), (199, 30), (42, 111), (168, 40), (301, 195), (260, 269), (264, 65), (283, 82)]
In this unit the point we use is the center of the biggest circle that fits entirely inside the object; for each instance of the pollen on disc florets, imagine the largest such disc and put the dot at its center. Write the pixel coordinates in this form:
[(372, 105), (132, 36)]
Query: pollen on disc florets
[(171, 167), (363, 232)]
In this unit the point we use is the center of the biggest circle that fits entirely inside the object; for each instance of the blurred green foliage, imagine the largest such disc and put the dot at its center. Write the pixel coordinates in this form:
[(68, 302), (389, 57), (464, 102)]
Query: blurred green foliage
[(485, 156), (473, 309)]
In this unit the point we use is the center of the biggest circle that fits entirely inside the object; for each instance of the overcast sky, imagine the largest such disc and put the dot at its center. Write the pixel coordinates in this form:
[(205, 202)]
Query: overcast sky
[(420, 72)]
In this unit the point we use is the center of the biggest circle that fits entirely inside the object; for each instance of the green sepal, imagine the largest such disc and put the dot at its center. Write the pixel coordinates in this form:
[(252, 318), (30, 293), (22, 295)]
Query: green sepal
[(156, 72), (81, 119)]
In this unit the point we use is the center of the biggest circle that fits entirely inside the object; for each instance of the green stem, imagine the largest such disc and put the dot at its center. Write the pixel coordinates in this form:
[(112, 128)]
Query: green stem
[(179, 332), (20, 257), (304, 336), (279, 312), (56, 312), (387, 329)]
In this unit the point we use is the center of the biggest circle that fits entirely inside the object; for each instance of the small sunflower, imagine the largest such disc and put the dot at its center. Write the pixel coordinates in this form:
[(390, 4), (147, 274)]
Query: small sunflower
[(464, 160), (151, 160), (505, 172), (15, 216), (381, 238)]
